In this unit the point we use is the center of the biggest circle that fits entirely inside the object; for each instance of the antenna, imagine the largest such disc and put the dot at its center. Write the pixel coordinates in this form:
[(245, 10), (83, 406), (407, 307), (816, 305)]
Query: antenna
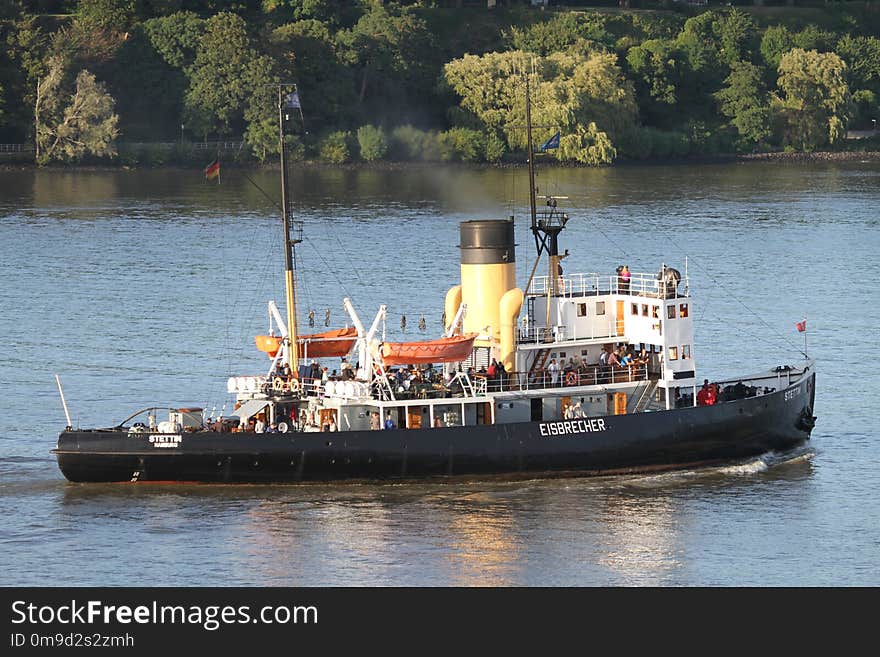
[(64, 403)]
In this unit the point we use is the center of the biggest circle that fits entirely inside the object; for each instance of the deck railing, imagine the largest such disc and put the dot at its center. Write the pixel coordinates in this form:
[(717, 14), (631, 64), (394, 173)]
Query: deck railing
[(592, 284)]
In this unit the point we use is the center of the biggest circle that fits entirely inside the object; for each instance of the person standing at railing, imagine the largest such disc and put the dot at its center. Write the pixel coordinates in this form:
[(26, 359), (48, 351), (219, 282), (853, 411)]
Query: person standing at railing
[(623, 279), (553, 368)]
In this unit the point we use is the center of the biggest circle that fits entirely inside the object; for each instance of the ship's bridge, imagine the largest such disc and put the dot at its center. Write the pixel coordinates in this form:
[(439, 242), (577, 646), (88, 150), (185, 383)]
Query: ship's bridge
[(593, 312)]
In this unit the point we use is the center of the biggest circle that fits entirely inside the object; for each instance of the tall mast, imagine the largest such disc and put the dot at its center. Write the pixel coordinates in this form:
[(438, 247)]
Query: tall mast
[(547, 231), (532, 201), (292, 352)]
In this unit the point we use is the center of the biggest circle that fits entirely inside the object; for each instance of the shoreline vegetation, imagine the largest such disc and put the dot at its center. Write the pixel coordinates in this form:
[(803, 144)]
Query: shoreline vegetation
[(829, 157), (128, 83)]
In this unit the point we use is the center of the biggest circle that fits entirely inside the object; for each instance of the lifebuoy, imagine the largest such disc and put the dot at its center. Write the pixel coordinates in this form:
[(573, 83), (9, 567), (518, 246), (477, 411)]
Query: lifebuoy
[(278, 385), (293, 386), (282, 427), (571, 379)]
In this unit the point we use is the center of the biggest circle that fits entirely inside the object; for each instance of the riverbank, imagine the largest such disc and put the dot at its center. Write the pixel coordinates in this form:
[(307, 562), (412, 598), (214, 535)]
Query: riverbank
[(787, 157)]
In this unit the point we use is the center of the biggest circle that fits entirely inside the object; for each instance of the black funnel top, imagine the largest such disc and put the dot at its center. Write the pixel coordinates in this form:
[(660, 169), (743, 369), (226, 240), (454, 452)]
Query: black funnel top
[(487, 242)]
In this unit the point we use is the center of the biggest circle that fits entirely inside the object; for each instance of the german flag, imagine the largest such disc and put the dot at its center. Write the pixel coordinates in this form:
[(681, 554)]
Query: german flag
[(212, 170)]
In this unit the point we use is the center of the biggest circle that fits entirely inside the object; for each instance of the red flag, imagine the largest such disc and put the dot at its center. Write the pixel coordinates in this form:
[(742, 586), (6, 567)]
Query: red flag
[(801, 326), (212, 170)]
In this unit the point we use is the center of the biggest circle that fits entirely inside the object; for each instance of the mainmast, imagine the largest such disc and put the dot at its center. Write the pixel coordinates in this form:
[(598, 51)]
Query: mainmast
[(292, 352), (546, 231)]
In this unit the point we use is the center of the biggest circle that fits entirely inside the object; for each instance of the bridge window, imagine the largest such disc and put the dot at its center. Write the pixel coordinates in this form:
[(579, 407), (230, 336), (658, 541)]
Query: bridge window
[(670, 312), (683, 310), (655, 312), (634, 309), (582, 310), (600, 307), (685, 352), (673, 353), (644, 310)]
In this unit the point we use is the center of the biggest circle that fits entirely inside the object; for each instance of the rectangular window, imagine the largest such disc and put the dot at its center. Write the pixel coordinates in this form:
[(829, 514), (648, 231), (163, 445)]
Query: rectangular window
[(685, 352), (655, 312), (644, 310), (683, 310), (673, 353), (634, 309), (670, 312), (582, 310), (600, 307)]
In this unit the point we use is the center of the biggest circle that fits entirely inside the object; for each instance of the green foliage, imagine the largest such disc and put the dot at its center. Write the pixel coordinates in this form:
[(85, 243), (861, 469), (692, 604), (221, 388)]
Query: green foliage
[(391, 51), (559, 33), (567, 89), (70, 131), (656, 69), (495, 147), (777, 41), (816, 105), (587, 146), (737, 34), (461, 145), (228, 73), (862, 57), (334, 148), (176, 37), (306, 49), (118, 14), (372, 142), (745, 101)]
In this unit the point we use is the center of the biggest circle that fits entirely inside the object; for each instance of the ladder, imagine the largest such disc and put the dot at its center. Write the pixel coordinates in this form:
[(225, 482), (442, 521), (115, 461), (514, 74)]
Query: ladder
[(538, 363), (646, 397)]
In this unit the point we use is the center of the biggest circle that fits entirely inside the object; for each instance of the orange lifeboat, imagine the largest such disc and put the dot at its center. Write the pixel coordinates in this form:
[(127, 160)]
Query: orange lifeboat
[(268, 343), (442, 350), (328, 344)]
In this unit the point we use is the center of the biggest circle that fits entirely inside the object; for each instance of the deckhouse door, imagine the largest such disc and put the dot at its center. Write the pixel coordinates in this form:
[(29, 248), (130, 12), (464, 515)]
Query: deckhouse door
[(620, 316)]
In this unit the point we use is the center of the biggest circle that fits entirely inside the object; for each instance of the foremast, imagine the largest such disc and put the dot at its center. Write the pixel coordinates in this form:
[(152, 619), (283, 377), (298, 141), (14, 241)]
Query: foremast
[(292, 351)]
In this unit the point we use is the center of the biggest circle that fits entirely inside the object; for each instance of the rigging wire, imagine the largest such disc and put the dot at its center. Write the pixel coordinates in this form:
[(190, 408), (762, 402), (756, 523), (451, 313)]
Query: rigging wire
[(715, 281)]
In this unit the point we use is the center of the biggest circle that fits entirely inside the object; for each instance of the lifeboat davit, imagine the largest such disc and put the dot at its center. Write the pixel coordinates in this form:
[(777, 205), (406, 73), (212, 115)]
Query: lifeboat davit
[(329, 344), (442, 350)]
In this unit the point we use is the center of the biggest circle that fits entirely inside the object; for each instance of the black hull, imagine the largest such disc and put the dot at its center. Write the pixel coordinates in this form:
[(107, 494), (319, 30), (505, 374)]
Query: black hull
[(606, 445)]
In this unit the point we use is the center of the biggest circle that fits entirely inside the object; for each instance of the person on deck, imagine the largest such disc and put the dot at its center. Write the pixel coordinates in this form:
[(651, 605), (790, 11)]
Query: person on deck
[(389, 423), (706, 396), (375, 421), (553, 368)]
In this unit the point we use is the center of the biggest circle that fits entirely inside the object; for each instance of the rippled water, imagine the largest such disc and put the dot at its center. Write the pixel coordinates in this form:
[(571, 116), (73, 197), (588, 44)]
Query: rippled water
[(146, 287)]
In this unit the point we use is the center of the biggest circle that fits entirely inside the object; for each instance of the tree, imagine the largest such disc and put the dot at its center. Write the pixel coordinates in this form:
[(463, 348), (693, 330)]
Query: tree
[(567, 89), (225, 75), (372, 142), (176, 37), (86, 125), (816, 103), (393, 54), (307, 52), (862, 57), (777, 41), (656, 69), (737, 35), (745, 101), (587, 146)]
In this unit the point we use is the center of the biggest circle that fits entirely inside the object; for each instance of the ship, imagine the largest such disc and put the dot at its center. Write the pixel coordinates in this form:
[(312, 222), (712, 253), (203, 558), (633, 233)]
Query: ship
[(574, 375)]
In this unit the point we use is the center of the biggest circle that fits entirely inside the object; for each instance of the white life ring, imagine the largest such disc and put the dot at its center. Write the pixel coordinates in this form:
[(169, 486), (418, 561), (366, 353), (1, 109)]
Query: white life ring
[(282, 427), (278, 385)]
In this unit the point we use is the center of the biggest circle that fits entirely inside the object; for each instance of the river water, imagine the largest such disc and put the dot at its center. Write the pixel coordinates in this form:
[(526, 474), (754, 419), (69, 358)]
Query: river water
[(146, 287)]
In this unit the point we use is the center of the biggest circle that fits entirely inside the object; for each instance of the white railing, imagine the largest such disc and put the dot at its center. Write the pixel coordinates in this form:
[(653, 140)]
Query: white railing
[(640, 284)]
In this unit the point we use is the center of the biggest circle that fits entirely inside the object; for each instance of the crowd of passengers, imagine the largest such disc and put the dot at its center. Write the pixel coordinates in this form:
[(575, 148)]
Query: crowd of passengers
[(615, 363)]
